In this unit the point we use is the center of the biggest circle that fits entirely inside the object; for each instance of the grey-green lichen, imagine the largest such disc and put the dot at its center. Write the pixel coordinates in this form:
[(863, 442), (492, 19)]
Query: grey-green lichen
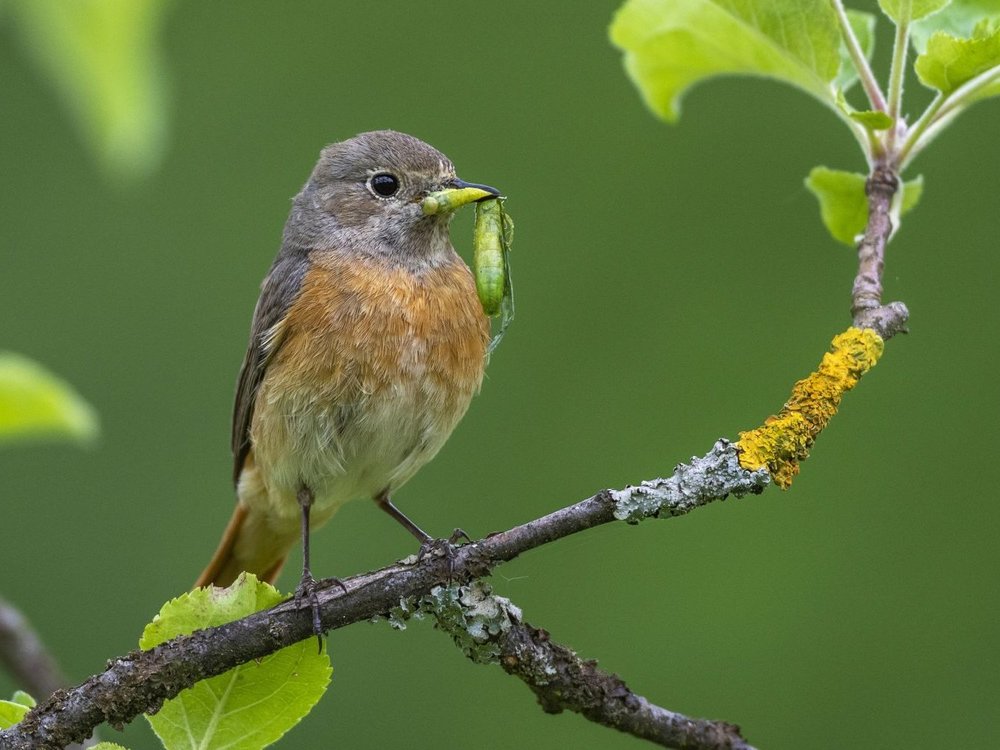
[(472, 615), (714, 476)]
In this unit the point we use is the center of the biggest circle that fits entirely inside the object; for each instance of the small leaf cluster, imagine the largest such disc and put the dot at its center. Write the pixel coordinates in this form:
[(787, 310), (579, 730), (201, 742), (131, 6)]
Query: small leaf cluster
[(823, 48)]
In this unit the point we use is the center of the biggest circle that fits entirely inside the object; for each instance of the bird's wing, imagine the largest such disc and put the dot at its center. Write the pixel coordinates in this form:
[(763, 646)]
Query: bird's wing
[(278, 292)]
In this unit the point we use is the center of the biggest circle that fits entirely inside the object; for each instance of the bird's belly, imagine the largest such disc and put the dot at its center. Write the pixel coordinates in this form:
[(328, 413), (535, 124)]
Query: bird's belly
[(342, 451), (353, 405)]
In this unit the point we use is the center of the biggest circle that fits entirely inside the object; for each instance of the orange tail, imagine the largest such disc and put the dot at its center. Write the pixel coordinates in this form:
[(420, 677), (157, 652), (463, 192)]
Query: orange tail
[(250, 543)]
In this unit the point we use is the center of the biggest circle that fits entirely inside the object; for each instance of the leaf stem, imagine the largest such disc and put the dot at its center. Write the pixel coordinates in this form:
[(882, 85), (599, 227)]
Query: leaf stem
[(940, 112), (868, 80), (896, 73), (918, 129)]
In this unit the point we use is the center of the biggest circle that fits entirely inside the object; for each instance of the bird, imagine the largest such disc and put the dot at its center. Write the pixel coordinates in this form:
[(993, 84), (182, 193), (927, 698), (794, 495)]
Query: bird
[(367, 344)]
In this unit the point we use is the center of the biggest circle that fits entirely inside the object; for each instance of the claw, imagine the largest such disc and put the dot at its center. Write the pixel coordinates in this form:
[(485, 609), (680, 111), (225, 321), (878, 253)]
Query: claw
[(446, 548), (306, 596)]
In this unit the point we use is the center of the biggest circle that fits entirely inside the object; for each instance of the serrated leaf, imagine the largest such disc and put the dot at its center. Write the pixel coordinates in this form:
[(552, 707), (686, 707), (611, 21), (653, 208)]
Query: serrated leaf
[(958, 20), (949, 62), (843, 205), (34, 403), (107, 746), (670, 45), (11, 712), (872, 119), (863, 25), (904, 11), (248, 707), (103, 57)]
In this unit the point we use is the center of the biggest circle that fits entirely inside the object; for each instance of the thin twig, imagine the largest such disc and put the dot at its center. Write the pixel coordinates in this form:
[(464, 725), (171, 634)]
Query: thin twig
[(867, 308), (25, 657), (562, 680), (140, 681)]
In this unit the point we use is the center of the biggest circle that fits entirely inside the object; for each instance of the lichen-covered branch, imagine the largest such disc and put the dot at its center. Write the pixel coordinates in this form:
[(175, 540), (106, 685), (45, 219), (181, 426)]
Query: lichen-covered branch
[(490, 629), (141, 680), (784, 440), (564, 681)]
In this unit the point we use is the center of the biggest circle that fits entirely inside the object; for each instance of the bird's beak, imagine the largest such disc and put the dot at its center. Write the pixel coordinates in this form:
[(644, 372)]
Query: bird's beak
[(457, 194)]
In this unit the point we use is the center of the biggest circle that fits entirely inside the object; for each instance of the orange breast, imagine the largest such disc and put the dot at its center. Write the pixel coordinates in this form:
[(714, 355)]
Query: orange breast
[(358, 324), (375, 367)]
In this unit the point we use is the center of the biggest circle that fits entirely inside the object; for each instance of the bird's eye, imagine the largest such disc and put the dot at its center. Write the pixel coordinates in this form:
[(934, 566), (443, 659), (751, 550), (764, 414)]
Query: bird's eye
[(384, 184)]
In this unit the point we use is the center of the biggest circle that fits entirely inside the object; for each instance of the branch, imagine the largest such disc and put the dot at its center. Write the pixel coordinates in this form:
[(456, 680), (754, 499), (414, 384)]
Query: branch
[(867, 308), (24, 656), (141, 680), (562, 680)]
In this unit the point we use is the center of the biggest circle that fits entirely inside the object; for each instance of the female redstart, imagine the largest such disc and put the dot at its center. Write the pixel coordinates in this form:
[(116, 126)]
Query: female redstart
[(366, 347)]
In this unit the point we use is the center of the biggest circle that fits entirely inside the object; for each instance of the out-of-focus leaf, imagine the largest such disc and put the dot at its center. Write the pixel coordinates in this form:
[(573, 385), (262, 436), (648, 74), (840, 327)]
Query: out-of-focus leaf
[(904, 11), (670, 45), (103, 56), (24, 699), (958, 20), (250, 706), (11, 712), (34, 403)]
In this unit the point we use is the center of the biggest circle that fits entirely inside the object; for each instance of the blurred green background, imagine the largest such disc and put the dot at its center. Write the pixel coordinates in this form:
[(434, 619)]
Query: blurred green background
[(672, 283)]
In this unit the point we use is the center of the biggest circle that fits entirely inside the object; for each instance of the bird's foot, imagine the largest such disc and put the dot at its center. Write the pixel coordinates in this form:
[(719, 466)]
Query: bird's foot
[(447, 548), (306, 595)]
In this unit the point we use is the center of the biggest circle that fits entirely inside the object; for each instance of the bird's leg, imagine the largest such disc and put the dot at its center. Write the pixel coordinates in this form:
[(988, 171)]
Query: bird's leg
[(385, 504), (427, 542), (306, 590)]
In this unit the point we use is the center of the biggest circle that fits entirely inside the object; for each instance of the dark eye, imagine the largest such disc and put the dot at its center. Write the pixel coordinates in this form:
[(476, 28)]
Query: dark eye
[(384, 184)]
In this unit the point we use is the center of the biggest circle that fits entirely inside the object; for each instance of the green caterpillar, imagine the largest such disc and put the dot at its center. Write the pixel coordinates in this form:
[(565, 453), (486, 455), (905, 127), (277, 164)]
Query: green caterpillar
[(488, 261)]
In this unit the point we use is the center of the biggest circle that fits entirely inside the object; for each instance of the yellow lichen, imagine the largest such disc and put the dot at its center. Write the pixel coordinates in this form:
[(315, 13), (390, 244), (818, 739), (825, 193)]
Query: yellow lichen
[(784, 439)]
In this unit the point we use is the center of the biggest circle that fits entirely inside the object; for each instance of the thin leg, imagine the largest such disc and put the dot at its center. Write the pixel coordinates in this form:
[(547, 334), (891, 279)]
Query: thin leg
[(428, 544), (305, 503), (306, 591), (385, 504)]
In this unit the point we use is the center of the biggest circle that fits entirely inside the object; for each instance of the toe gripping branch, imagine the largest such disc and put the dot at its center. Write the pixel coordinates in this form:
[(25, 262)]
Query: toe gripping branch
[(785, 439)]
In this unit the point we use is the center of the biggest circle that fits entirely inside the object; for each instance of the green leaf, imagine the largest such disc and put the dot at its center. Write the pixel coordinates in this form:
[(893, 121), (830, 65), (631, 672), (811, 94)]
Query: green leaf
[(11, 712), (904, 11), (24, 699), (913, 190), (863, 25), (872, 119), (107, 746), (958, 20), (34, 403), (103, 57), (248, 707), (949, 62), (670, 45), (843, 205)]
